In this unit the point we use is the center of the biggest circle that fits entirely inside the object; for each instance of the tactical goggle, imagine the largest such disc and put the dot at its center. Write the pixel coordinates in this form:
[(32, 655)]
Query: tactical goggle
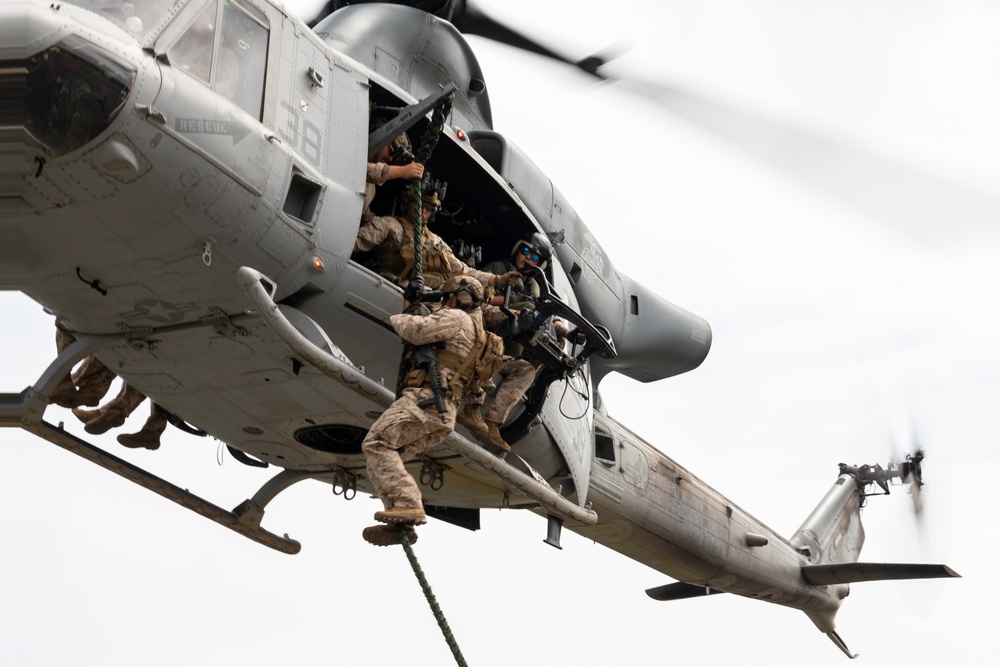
[(531, 254)]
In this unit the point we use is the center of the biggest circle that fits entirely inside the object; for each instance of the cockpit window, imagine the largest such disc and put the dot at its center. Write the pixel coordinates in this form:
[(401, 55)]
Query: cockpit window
[(139, 17), (194, 52), (244, 33), (226, 48)]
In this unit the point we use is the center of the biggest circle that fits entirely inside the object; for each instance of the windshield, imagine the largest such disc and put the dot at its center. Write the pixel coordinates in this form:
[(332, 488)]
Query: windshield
[(139, 17)]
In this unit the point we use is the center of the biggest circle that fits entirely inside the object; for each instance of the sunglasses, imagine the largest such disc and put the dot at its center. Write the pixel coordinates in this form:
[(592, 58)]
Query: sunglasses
[(530, 254)]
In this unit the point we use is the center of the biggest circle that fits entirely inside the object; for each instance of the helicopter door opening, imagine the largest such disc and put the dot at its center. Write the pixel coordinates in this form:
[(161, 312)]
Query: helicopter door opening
[(479, 218)]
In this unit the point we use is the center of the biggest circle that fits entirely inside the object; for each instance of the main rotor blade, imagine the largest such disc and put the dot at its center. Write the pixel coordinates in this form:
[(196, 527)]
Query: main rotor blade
[(474, 21), (925, 207), (921, 206)]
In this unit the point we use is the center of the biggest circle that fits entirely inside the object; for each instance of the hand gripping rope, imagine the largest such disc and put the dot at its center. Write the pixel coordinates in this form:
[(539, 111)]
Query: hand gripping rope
[(428, 142), (427, 145)]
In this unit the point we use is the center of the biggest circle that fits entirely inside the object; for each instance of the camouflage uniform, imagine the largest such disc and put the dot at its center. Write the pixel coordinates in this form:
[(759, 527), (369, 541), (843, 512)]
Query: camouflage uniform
[(374, 176), (405, 430), (85, 386), (518, 375), (392, 239)]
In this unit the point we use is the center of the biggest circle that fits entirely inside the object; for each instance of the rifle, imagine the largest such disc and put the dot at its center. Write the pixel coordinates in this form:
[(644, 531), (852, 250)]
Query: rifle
[(427, 356)]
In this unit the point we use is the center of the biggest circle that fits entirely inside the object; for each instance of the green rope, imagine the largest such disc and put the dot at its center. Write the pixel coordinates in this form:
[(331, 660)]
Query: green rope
[(428, 142), (442, 623)]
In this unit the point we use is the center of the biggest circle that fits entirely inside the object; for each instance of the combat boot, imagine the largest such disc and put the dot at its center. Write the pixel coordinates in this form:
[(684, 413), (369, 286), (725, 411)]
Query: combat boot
[(409, 515), (65, 394), (149, 436), (471, 418), (111, 415), (102, 419), (386, 536), (93, 380), (493, 441)]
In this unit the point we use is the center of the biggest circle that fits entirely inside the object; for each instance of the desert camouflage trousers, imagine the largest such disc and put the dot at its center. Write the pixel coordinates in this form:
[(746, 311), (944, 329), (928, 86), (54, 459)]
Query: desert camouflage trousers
[(403, 432), (519, 375)]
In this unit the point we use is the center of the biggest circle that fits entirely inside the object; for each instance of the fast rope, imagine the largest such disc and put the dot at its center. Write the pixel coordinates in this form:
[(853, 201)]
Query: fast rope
[(428, 142), (431, 600)]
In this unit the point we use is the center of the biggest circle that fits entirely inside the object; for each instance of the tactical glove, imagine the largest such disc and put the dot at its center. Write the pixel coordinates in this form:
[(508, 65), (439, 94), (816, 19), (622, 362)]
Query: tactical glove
[(512, 278), (414, 290)]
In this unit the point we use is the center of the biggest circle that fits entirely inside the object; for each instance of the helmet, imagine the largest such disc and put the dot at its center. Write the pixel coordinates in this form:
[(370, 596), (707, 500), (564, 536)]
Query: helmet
[(536, 243), (468, 291), (432, 191), (402, 142), (400, 148)]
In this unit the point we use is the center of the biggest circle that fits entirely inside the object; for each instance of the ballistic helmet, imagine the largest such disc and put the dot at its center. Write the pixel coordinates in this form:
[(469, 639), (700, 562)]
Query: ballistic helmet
[(468, 291), (432, 192)]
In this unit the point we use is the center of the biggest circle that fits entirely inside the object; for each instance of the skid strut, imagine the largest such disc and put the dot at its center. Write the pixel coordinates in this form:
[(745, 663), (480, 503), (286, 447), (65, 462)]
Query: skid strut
[(26, 409), (244, 520)]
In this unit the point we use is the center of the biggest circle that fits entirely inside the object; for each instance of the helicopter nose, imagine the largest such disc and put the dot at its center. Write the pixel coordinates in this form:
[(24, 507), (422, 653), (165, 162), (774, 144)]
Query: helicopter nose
[(73, 90)]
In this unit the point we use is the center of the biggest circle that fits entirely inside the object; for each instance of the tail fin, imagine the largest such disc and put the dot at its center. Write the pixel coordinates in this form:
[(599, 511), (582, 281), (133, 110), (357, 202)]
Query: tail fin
[(848, 573), (832, 537)]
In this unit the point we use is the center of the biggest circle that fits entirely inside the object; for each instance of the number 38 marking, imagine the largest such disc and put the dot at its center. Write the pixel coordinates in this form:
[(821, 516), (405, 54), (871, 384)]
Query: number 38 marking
[(302, 135)]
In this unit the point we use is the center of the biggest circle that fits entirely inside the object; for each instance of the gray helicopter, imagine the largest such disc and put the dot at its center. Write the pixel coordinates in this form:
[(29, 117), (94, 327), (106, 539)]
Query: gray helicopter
[(188, 184)]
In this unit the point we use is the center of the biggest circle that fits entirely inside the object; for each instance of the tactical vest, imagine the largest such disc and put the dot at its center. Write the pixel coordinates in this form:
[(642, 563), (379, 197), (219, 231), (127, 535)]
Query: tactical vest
[(399, 261), (471, 370)]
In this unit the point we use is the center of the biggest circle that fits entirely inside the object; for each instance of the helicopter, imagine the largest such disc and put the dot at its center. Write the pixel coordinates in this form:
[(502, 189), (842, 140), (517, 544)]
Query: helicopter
[(306, 190)]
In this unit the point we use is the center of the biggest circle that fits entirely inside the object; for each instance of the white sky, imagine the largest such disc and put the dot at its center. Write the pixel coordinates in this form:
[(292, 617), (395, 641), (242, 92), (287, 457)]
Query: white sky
[(828, 325)]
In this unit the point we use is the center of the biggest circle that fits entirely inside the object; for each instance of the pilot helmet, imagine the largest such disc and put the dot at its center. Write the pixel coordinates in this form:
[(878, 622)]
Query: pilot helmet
[(536, 247), (468, 291)]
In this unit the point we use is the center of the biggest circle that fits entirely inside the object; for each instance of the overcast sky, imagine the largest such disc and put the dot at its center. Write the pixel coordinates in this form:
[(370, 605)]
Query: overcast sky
[(836, 331)]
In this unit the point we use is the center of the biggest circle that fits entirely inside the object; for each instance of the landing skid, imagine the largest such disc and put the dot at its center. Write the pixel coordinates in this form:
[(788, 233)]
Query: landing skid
[(244, 520), (25, 410)]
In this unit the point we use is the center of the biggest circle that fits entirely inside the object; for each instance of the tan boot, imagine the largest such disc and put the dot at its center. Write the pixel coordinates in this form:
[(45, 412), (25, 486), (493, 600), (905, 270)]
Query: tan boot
[(494, 441), (111, 415), (471, 418), (385, 536), (413, 516), (65, 394), (93, 380), (149, 436), (102, 419)]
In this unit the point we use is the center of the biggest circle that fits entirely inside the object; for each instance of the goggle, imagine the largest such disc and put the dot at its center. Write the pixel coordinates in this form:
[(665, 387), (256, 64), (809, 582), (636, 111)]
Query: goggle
[(531, 254)]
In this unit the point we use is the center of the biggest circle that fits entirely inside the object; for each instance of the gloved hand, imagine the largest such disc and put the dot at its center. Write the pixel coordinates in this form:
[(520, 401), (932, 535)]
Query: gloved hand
[(414, 290), (512, 278)]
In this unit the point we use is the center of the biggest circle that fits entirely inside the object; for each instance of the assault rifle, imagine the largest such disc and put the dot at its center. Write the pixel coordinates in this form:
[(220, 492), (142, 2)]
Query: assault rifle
[(427, 356)]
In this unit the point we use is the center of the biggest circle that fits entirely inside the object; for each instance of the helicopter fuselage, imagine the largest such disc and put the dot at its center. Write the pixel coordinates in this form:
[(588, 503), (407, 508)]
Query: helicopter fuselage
[(148, 174)]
